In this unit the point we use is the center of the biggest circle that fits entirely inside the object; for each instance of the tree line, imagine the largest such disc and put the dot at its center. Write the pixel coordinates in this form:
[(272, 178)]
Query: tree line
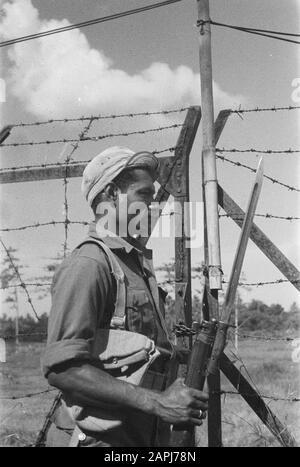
[(253, 317)]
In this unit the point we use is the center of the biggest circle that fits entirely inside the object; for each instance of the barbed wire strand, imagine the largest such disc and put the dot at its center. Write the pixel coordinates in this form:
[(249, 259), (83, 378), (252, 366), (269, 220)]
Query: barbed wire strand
[(273, 180), (268, 338), (260, 151), (139, 114), (54, 223), (241, 284), (94, 138), (183, 330), (100, 117), (165, 282), (62, 164), (22, 284), (179, 329), (27, 284), (258, 284), (263, 396), (22, 334), (42, 224), (265, 109), (267, 216), (28, 395), (145, 114), (222, 392)]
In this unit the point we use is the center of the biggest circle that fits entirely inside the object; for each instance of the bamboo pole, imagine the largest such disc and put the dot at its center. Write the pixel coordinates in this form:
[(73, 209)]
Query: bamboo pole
[(208, 152), (210, 199), (210, 309)]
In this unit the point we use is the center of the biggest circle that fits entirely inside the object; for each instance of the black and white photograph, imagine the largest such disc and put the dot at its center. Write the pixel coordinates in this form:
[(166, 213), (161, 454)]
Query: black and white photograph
[(149, 226)]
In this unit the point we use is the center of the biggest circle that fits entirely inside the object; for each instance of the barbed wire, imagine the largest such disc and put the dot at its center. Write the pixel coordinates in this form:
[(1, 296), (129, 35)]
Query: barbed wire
[(180, 329), (265, 109), (94, 138), (42, 224), (267, 216), (101, 117), (62, 164), (267, 338), (260, 151), (261, 283), (273, 180), (22, 284), (22, 334), (222, 392), (143, 114), (248, 284), (28, 395), (70, 222), (263, 396), (26, 284)]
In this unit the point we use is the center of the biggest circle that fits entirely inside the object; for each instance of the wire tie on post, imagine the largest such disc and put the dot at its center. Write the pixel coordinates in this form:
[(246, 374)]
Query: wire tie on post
[(216, 266), (200, 24)]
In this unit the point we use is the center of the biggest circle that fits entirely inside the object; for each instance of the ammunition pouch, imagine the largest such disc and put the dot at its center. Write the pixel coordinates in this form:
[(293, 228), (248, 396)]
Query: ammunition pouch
[(126, 356)]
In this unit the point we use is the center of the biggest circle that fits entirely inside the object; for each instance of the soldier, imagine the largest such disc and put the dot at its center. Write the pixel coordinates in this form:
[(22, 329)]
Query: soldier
[(85, 295)]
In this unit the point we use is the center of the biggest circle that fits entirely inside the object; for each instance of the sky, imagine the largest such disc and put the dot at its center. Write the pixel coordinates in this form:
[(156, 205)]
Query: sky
[(142, 63)]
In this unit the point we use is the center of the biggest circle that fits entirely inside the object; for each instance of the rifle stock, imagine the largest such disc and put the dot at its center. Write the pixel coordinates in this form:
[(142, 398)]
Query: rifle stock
[(197, 367)]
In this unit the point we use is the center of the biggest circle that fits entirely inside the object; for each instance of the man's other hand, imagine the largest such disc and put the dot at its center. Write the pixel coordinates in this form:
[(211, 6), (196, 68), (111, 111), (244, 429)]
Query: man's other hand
[(181, 405)]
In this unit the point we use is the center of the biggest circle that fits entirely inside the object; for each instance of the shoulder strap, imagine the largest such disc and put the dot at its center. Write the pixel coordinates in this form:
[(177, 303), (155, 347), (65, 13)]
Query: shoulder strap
[(116, 270)]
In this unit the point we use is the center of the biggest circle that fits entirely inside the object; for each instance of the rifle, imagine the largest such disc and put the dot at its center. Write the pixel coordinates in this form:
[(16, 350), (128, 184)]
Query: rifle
[(211, 335)]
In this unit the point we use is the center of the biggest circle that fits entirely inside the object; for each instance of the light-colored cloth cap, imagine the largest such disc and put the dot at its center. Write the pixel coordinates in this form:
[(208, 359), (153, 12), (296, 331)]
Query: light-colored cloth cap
[(105, 167)]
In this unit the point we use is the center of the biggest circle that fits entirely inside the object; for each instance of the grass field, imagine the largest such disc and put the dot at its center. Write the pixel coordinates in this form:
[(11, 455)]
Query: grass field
[(269, 363)]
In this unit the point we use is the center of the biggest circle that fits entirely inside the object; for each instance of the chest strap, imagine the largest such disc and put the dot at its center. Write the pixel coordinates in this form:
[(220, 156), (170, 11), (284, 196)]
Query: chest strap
[(118, 319)]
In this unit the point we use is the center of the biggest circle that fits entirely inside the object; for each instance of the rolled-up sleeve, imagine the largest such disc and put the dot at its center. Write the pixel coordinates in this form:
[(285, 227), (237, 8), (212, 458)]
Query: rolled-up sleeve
[(81, 292)]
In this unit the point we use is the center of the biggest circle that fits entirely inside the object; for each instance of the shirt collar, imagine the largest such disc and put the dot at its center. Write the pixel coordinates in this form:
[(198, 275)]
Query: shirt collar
[(113, 241)]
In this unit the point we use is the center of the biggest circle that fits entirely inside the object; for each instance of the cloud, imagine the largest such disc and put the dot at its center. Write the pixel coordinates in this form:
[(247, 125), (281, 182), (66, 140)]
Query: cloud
[(62, 75)]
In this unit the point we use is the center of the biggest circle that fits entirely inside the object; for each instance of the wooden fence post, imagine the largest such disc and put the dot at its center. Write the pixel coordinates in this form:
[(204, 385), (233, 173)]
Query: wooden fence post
[(210, 309)]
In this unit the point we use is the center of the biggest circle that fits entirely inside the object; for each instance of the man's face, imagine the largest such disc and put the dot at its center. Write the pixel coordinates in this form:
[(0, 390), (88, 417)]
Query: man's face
[(141, 190), (139, 195)]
